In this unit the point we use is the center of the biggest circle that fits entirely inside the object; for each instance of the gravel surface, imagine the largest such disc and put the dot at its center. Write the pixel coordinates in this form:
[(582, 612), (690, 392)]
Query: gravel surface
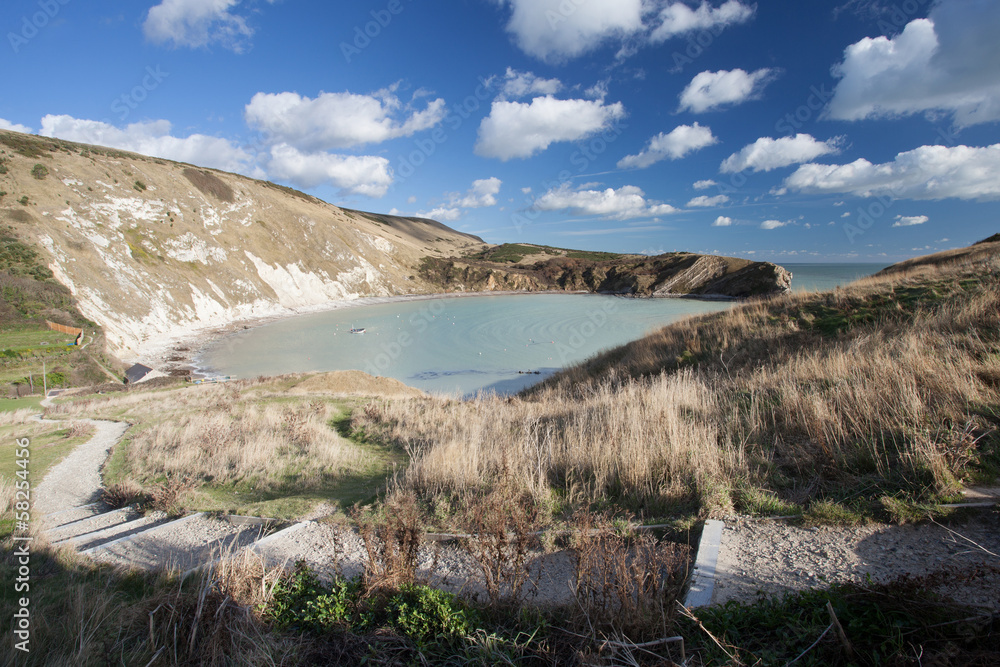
[(331, 550), (77, 479), (92, 523), (117, 531), (771, 556), (182, 544)]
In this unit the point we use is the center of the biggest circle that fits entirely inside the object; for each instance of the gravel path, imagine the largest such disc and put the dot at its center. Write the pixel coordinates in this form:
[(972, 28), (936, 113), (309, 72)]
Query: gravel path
[(77, 479), (774, 557)]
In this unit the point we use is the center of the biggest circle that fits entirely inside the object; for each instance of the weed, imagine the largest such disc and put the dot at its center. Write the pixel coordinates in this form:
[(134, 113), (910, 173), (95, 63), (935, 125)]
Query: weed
[(392, 544), (503, 523), (40, 171), (831, 513), (124, 494), (623, 583)]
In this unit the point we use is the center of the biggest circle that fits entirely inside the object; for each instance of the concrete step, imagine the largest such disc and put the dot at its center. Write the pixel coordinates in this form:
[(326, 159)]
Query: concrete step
[(61, 518), (90, 524), (182, 544), (115, 532)]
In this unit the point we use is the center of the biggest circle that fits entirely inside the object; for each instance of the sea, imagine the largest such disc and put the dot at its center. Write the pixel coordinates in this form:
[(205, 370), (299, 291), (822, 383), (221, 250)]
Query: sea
[(464, 346)]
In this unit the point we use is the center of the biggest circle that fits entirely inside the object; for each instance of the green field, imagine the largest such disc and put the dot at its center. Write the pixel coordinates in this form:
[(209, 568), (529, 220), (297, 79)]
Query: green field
[(27, 350), (14, 404), (515, 252)]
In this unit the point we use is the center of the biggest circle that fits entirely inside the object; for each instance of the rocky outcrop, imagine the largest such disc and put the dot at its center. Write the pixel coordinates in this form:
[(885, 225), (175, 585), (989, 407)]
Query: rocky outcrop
[(669, 275)]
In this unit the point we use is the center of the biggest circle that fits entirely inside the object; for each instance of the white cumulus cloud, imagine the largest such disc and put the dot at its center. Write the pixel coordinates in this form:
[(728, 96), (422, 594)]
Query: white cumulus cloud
[(678, 18), (946, 63), (527, 84), (557, 30), (338, 120), (520, 130), (705, 201), (680, 141), (767, 154), (928, 172), (773, 224), (153, 138), (483, 193), (711, 90), (910, 220), (723, 221), (13, 127), (704, 185), (441, 214), (352, 174), (624, 203), (198, 23)]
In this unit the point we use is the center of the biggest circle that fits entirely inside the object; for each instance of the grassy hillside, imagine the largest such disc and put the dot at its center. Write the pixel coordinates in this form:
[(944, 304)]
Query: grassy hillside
[(29, 296), (876, 396), (872, 401), (153, 249)]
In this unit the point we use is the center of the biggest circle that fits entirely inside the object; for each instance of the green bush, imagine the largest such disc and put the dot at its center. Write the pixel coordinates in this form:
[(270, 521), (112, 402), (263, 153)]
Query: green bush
[(23, 200), (425, 615), (40, 171), (140, 186)]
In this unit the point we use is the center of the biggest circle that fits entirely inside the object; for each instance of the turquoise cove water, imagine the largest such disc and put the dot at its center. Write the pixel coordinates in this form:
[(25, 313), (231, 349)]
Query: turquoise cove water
[(465, 345)]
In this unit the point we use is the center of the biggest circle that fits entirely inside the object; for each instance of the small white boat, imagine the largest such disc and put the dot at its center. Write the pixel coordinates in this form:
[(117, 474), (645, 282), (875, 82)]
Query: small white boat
[(358, 330)]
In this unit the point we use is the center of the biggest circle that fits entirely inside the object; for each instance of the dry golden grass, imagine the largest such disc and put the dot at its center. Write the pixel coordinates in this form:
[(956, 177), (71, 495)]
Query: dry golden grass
[(892, 380), (15, 417), (249, 433), (353, 383)]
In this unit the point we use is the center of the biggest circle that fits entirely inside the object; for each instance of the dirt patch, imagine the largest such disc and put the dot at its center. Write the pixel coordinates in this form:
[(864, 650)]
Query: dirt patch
[(18, 215), (355, 383), (210, 184)]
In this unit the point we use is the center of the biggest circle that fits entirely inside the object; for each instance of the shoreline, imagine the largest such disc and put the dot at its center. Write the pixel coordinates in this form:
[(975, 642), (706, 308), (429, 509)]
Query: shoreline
[(178, 355)]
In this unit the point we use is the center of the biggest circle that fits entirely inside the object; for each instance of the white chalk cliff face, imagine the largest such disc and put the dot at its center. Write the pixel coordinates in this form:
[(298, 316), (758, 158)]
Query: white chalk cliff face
[(155, 250)]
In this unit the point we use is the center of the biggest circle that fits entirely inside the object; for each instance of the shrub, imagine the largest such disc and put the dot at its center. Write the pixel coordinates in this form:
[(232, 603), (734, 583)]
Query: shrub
[(426, 615), (23, 200), (140, 186), (40, 171), (503, 524), (123, 494), (392, 544)]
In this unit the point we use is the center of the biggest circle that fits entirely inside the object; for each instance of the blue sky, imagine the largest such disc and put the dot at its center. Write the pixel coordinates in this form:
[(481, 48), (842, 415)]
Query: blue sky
[(785, 130)]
